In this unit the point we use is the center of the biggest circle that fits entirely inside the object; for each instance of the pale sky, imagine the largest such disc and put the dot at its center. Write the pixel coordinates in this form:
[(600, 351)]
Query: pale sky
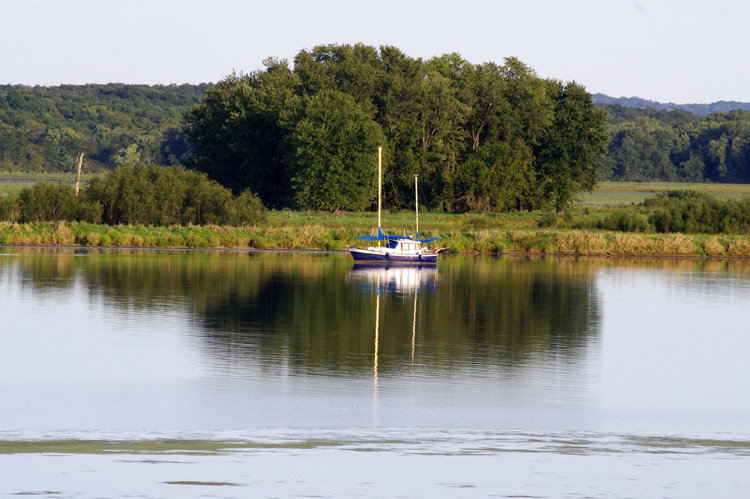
[(683, 51)]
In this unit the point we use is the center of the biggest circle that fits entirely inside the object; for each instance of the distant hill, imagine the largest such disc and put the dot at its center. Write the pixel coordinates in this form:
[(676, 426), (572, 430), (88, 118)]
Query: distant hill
[(699, 109), (46, 128)]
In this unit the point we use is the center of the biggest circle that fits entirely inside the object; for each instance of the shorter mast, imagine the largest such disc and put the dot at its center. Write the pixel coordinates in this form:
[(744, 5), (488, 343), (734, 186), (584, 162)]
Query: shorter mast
[(416, 202)]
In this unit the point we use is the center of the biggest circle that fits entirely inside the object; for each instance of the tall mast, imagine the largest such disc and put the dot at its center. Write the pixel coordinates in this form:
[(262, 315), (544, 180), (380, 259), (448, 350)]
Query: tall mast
[(416, 202), (380, 187)]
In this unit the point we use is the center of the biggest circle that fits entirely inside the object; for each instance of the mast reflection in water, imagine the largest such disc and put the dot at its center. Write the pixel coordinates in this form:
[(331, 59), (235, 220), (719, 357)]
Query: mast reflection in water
[(398, 280), (313, 314)]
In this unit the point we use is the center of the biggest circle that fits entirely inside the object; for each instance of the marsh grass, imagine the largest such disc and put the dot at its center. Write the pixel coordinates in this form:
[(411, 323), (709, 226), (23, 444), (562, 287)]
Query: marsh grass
[(488, 234), (13, 183), (626, 193)]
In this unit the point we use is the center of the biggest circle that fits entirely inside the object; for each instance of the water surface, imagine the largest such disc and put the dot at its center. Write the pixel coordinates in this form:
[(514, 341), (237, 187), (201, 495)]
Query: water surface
[(235, 374)]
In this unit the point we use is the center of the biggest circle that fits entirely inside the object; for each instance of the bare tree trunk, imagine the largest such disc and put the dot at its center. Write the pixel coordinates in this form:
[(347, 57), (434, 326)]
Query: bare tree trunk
[(78, 178)]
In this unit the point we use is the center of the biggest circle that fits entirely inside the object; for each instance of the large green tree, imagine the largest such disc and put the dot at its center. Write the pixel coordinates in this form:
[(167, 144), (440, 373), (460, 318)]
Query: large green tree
[(570, 149), (333, 160), (481, 137), (236, 134)]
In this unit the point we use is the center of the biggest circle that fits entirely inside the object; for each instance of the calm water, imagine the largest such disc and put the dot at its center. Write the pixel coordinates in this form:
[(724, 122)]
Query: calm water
[(209, 374)]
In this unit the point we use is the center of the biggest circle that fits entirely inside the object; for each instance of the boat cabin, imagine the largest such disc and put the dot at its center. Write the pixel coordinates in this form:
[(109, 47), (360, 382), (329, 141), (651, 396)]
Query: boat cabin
[(407, 246)]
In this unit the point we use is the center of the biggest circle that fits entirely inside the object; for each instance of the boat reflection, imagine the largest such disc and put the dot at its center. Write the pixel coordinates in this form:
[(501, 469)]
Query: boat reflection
[(393, 280), (396, 279)]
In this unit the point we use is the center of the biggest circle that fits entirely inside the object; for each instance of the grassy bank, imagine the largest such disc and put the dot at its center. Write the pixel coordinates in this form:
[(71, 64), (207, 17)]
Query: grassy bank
[(12, 183), (620, 193), (470, 233), (320, 236)]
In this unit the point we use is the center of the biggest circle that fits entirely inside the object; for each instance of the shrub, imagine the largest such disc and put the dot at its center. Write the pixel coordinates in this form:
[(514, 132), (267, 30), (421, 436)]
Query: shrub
[(245, 210), (699, 213), (548, 220), (9, 209), (89, 212), (625, 221), (162, 196), (46, 202)]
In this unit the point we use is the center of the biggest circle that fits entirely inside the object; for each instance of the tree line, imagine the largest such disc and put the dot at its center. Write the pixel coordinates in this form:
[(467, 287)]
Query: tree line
[(303, 135), (136, 195), (43, 129), (699, 109), (651, 145), (684, 211), (480, 136)]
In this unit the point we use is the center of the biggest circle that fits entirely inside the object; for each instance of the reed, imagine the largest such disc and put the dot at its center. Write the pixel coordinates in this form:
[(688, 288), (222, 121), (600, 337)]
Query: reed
[(713, 247), (578, 242), (319, 236), (738, 247)]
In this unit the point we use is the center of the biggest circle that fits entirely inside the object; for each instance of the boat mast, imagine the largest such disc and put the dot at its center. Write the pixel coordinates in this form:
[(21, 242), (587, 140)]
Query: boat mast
[(380, 187), (416, 202)]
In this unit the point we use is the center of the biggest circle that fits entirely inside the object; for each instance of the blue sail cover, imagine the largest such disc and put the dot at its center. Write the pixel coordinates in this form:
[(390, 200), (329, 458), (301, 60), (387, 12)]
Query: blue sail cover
[(379, 237), (385, 237), (426, 240)]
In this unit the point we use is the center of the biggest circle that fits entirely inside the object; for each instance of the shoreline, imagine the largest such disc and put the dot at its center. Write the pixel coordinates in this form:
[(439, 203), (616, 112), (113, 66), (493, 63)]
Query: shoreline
[(512, 254), (526, 242)]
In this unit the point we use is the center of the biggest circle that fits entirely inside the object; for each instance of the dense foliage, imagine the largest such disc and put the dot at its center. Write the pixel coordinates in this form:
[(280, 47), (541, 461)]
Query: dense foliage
[(141, 195), (649, 144), (481, 137), (696, 213), (699, 109), (46, 128), (684, 211)]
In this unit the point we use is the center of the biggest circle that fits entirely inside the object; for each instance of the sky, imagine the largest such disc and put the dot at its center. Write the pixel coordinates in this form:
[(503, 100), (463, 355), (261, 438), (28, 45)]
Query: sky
[(682, 51)]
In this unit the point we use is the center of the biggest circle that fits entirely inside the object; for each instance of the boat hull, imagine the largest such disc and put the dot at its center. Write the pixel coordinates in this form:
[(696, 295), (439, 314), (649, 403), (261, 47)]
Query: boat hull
[(363, 255)]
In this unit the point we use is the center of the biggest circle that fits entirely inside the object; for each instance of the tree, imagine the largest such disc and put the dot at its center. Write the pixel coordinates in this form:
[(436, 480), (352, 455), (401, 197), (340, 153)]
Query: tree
[(46, 202), (479, 136), (158, 195), (237, 135), (334, 144), (570, 150)]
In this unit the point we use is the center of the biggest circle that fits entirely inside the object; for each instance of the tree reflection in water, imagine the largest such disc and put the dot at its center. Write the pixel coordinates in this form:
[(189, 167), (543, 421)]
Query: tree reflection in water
[(313, 313)]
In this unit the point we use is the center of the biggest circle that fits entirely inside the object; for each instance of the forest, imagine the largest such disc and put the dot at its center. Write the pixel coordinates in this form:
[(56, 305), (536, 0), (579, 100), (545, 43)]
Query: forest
[(481, 137), (651, 144), (304, 134), (44, 129)]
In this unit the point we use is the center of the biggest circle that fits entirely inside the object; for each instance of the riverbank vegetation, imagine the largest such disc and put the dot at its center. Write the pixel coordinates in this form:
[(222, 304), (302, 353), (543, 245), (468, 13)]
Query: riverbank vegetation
[(140, 195), (488, 234), (159, 207), (436, 114), (508, 161)]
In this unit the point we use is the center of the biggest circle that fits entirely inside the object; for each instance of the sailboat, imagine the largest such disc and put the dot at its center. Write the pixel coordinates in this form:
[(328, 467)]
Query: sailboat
[(395, 250)]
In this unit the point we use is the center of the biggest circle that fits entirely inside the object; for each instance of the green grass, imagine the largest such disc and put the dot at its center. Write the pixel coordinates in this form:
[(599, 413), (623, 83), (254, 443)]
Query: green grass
[(469, 233), (12, 183), (620, 193), (555, 240)]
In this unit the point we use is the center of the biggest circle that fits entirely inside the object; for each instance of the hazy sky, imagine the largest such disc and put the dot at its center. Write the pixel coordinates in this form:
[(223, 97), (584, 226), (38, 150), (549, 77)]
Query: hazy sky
[(684, 51)]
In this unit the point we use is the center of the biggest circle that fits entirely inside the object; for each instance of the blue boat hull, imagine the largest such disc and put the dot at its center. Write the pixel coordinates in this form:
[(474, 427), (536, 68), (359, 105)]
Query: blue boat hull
[(364, 256)]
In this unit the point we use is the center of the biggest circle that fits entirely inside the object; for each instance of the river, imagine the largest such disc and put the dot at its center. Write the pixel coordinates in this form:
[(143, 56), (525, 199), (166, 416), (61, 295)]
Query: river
[(171, 374)]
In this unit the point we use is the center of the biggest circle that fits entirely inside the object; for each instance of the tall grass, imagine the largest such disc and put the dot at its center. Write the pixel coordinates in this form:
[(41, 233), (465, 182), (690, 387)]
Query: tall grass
[(319, 236)]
